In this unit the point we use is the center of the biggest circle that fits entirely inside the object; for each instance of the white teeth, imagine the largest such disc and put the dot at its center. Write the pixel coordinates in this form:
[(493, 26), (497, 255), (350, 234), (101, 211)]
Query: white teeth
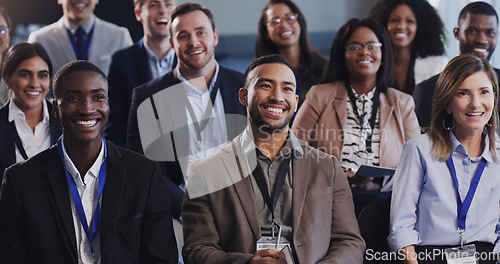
[(286, 33), (87, 123), (364, 62), (480, 50), (33, 93), (400, 35), (164, 21), (274, 110), (82, 5), (475, 114), (196, 52)]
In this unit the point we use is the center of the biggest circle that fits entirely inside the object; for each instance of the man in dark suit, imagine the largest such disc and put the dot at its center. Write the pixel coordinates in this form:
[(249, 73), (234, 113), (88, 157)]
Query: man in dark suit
[(85, 200), (173, 109), (477, 34), (149, 58)]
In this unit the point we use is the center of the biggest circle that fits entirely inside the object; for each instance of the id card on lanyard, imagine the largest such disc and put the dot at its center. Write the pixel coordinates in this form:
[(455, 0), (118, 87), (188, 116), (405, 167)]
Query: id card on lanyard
[(463, 254)]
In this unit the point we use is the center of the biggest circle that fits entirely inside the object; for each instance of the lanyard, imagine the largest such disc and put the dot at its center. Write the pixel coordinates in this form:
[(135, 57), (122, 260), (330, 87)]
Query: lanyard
[(463, 208), (376, 102), (17, 140), (78, 201), (208, 111), (261, 182), (86, 46)]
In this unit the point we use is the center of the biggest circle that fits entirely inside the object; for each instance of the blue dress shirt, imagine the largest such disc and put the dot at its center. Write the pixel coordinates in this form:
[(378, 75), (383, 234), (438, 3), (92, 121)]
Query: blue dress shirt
[(424, 203)]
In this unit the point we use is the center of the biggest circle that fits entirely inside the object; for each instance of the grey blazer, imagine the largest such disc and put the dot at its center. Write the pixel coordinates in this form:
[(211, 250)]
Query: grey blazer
[(106, 39)]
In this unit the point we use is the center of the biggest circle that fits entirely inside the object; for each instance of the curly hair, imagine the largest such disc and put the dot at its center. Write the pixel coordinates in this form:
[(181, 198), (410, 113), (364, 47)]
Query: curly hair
[(265, 46), (430, 37), (337, 71)]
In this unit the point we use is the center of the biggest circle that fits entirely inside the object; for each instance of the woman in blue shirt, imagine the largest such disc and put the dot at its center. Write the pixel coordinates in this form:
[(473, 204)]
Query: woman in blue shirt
[(446, 188)]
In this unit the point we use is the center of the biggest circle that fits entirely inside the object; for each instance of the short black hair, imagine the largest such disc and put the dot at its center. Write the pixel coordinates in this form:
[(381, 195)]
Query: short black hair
[(267, 59), (477, 8), (72, 67)]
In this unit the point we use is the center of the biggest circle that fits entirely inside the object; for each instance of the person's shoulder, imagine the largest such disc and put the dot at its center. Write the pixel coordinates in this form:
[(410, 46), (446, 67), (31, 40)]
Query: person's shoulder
[(47, 31), (326, 90), (231, 74), (127, 52), (396, 95), (422, 141), (153, 86), (108, 26), (429, 83), (128, 157), (38, 164)]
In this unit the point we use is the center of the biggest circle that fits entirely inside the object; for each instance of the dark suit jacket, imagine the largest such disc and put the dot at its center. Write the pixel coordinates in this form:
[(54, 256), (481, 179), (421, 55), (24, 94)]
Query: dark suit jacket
[(7, 143), (129, 68), (221, 222), (37, 224), (230, 82), (423, 95)]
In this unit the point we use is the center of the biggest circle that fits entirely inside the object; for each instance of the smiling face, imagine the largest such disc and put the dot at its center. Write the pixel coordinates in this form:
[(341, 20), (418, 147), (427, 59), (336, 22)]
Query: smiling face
[(472, 105), (270, 97), (29, 84), (363, 64), (194, 40), (477, 34), (402, 26), (154, 16), (83, 107), (286, 33), (4, 39), (78, 11)]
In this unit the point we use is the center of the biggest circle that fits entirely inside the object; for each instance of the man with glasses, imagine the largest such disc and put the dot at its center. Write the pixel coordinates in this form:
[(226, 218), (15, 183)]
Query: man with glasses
[(477, 34)]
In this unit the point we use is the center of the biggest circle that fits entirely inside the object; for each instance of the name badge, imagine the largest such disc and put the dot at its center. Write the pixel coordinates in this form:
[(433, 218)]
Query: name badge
[(461, 255), (270, 242)]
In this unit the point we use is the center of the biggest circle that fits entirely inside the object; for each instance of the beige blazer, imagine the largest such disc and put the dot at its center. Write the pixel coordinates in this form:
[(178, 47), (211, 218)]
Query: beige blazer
[(322, 118), (223, 226)]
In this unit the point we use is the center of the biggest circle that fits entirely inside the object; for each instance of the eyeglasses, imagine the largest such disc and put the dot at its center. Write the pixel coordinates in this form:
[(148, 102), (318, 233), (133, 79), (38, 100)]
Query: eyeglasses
[(289, 18), (370, 46), (4, 31)]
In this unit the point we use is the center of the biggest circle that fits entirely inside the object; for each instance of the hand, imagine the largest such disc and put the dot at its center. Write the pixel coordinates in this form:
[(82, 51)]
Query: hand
[(268, 256), (349, 173)]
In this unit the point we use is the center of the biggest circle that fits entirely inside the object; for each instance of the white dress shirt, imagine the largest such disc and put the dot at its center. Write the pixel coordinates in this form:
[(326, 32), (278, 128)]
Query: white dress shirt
[(160, 67), (33, 142), (88, 190)]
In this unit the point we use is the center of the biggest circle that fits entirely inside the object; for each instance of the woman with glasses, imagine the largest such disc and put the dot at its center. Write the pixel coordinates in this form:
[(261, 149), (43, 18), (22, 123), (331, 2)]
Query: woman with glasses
[(417, 37), (446, 187), (355, 115), (282, 30), (27, 125), (5, 37)]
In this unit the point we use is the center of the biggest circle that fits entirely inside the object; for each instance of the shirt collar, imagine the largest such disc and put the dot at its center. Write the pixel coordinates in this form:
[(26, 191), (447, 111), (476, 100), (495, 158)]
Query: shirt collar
[(152, 56), (94, 169), (458, 147), (72, 27), (15, 112), (191, 88), (248, 144)]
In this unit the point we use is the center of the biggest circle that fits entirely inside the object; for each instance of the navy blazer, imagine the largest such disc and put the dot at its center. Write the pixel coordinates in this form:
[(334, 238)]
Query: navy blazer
[(129, 68), (37, 223), (230, 83), (7, 142)]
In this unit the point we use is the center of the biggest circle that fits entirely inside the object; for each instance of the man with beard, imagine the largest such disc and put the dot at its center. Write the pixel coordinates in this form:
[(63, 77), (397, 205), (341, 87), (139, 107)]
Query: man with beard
[(266, 178), (148, 59), (180, 116), (477, 34)]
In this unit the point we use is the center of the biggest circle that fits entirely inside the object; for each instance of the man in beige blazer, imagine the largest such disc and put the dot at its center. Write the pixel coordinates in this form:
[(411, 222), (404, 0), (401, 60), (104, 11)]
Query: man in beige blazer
[(224, 210)]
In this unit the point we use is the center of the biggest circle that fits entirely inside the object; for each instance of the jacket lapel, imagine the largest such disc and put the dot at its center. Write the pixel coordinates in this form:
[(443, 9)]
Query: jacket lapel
[(143, 68), (243, 186), (384, 114), (7, 145), (58, 187), (54, 125), (111, 198), (340, 106), (64, 45), (301, 168)]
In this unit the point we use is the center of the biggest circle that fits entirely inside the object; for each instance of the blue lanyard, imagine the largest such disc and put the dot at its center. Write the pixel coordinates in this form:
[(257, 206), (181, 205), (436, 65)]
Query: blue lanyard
[(86, 45), (463, 208), (78, 201)]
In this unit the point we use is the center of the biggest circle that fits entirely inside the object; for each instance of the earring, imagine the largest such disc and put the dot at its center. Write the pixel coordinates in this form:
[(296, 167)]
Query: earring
[(489, 123), (444, 122)]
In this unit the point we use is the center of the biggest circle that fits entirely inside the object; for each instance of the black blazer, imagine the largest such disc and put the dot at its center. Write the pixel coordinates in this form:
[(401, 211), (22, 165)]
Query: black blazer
[(7, 143), (37, 225), (230, 83), (423, 95), (129, 68)]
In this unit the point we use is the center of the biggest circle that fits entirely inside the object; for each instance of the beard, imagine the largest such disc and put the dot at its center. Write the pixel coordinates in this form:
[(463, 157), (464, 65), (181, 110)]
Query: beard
[(266, 127)]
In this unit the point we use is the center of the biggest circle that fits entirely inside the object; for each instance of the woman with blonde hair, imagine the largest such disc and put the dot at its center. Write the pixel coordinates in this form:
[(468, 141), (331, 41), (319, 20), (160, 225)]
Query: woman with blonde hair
[(447, 180)]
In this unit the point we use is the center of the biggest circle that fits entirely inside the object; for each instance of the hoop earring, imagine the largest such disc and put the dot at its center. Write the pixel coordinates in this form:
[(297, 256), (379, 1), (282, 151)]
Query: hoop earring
[(489, 123), (444, 122)]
